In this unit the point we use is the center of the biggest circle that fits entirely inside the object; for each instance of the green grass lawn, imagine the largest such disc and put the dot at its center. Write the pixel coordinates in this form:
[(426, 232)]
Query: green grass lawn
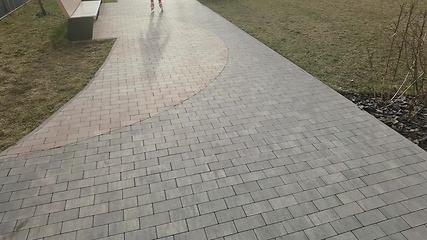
[(327, 38), (39, 69)]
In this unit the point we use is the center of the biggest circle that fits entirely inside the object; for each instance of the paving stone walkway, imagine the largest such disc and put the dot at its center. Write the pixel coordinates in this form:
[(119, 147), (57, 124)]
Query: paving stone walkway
[(215, 136)]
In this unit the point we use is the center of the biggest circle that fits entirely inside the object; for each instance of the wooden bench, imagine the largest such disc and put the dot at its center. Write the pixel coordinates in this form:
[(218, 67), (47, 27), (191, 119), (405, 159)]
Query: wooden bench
[(81, 16)]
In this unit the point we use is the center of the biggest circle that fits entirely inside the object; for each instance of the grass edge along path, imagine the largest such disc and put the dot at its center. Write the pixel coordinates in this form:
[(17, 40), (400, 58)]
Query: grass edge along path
[(40, 70), (327, 38)]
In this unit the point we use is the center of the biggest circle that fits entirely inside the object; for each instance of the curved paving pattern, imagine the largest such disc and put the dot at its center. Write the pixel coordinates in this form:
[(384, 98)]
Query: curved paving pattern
[(153, 66), (265, 151)]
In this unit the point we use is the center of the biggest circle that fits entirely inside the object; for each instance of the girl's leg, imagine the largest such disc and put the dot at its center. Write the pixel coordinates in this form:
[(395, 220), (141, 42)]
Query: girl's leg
[(160, 5), (152, 5)]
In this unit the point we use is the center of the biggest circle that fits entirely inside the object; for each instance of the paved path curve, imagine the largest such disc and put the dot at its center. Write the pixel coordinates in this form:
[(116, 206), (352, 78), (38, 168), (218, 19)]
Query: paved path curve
[(156, 63), (219, 138)]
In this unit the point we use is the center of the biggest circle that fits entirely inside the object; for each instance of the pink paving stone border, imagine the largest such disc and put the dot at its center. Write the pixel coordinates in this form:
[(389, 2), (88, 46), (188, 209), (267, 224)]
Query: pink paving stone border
[(156, 63)]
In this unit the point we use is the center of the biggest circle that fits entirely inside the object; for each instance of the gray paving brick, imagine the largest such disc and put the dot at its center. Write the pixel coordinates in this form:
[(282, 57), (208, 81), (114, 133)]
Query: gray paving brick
[(65, 236), (93, 210), (191, 235), (415, 204), (247, 223), (5, 197), (19, 214), (108, 196), (184, 213), (238, 200), (139, 181), (79, 202), (106, 218), (297, 224), (320, 232), (151, 198), (154, 220), (270, 231), (220, 230), (173, 174), (93, 233), (417, 233), (16, 235), (213, 175), (232, 171), (294, 236), (158, 169), (372, 190), (205, 186), (63, 215), (49, 208), (312, 183), (44, 231), (15, 186), (346, 224), (123, 226), (194, 199), (394, 210), (278, 215), (393, 225), (201, 221), (253, 176), (371, 203), (137, 212), (323, 217), (308, 195), (282, 202), (348, 209), (122, 204), (8, 227), (258, 207), (302, 209), (61, 196), (197, 169), (212, 206), (344, 236), (230, 214), (171, 228), (246, 187), (34, 201), (32, 192), (32, 176), (167, 205), (149, 233), (221, 193), (350, 196), (369, 233), (33, 222), (264, 194), (188, 180), (416, 218), (248, 235), (353, 184), (393, 185), (178, 192), (288, 189), (140, 172), (370, 217), (414, 191), (393, 197), (229, 181), (113, 186), (87, 191), (327, 202), (77, 224)]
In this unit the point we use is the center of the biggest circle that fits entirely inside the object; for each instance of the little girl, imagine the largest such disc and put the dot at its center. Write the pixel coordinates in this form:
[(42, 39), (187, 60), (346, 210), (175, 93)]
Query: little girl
[(160, 5)]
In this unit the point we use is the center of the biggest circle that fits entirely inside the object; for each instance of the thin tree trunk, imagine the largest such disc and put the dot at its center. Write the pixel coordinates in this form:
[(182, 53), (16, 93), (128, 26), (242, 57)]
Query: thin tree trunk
[(44, 13)]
